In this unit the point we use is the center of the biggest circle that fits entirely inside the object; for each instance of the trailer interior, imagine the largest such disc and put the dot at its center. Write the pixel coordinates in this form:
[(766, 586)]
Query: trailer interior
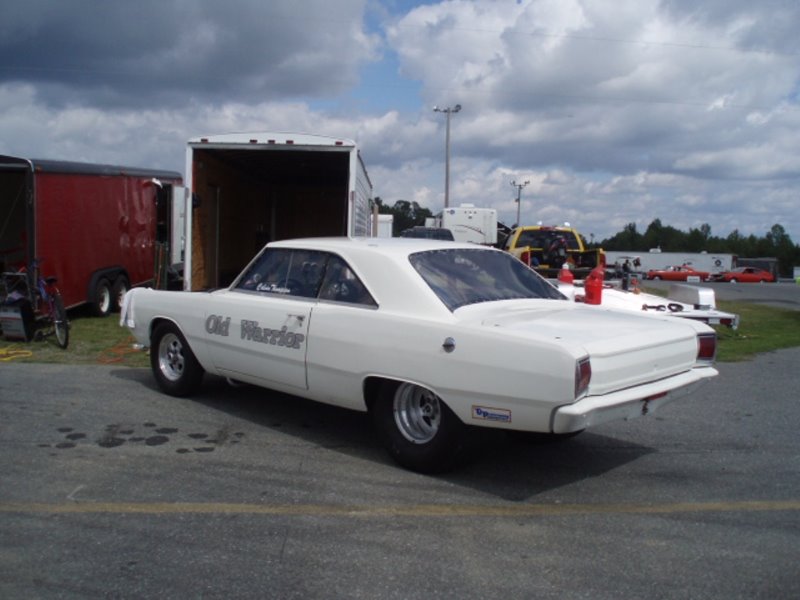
[(244, 198), (13, 218)]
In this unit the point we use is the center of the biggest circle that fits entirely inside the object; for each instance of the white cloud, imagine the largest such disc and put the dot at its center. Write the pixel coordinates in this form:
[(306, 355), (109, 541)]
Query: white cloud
[(616, 112)]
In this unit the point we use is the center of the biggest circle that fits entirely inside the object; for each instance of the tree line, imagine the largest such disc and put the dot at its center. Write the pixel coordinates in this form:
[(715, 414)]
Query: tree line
[(776, 243)]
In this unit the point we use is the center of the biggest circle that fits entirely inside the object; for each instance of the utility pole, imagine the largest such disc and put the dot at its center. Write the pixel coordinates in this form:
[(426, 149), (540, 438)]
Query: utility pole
[(519, 187), (447, 111)]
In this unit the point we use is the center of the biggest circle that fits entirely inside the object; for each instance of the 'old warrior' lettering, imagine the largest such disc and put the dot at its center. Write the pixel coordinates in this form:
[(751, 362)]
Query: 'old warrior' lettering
[(275, 337)]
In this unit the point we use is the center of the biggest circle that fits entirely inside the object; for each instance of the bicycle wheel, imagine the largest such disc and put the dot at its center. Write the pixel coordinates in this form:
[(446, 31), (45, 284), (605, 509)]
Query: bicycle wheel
[(60, 322)]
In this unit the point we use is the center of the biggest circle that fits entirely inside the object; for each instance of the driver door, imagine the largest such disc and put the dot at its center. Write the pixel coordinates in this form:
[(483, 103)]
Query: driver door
[(258, 329)]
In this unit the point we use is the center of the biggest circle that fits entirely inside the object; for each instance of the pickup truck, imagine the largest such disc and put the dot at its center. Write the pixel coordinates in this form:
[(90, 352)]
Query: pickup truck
[(546, 249)]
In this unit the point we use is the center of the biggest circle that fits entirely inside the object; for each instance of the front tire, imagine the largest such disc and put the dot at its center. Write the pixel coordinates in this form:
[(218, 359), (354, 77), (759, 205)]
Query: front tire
[(177, 371), (419, 431)]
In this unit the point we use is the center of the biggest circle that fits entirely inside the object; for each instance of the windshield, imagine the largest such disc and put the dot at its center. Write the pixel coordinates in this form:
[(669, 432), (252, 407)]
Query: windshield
[(544, 238), (462, 276)]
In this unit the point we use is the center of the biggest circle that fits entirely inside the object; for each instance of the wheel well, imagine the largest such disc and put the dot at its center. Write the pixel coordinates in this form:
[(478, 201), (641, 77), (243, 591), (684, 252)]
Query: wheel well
[(158, 321), (373, 385)]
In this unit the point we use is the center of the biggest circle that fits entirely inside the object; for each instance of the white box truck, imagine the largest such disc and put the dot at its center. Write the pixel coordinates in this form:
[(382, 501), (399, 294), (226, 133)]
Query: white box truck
[(469, 223), (247, 189)]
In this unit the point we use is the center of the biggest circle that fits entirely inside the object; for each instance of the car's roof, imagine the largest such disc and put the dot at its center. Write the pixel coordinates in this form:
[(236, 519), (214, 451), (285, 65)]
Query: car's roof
[(387, 246), (383, 266)]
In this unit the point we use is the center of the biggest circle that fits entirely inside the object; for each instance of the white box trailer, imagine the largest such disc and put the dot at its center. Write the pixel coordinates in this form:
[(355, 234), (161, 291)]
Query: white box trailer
[(469, 223), (385, 226), (700, 261), (247, 189)]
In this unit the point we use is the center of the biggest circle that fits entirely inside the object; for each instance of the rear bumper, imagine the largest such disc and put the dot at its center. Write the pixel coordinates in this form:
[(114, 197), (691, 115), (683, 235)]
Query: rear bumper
[(628, 404)]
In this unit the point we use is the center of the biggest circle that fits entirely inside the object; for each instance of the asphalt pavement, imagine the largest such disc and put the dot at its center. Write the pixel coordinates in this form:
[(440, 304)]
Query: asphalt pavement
[(110, 489)]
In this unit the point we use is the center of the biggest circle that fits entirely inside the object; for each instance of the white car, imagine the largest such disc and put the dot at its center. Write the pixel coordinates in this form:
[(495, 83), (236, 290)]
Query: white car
[(428, 336)]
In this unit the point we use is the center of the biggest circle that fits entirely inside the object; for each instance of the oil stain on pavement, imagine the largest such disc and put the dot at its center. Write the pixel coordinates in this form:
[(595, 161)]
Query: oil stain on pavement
[(148, 434)]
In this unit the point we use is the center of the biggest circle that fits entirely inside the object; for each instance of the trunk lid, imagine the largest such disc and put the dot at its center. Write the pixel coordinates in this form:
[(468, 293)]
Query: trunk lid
[(625, 349)]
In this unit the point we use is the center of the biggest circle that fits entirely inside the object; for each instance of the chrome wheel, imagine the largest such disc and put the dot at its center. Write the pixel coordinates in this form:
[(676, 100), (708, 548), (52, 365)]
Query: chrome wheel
[(417, 428), (171, 361), (417, 413), (174, 365)]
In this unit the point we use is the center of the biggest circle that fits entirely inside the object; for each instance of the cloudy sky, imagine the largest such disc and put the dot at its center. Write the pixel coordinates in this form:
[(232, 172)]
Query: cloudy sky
[(615, 111)]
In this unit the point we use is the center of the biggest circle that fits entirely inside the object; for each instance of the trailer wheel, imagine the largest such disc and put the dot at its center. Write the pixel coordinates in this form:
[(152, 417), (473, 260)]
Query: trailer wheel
[(118, 291), (101, 299)]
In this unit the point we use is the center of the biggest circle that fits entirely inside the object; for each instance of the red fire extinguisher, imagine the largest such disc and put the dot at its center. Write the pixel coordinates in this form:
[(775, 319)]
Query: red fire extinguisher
[(593, 286)]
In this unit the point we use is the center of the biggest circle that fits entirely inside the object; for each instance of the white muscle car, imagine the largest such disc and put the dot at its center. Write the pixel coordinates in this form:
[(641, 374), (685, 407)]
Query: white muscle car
[(428, 336)]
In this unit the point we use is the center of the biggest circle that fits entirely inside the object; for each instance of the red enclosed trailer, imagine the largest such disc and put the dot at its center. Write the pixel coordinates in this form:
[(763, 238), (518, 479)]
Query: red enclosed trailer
[(100, 229)]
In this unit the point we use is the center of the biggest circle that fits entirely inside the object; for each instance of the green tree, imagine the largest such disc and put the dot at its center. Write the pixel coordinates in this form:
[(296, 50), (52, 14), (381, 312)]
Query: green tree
[(406, 214), (627, 239)]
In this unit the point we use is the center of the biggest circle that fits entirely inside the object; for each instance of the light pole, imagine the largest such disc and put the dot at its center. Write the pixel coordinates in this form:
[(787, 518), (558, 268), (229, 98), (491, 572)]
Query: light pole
[(519, 187), (447, 111)]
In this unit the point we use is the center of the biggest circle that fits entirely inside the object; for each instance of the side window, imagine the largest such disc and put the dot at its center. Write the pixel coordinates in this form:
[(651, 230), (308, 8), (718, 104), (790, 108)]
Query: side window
[(287, 272), (341, 285), (526, 238), (572, 241)]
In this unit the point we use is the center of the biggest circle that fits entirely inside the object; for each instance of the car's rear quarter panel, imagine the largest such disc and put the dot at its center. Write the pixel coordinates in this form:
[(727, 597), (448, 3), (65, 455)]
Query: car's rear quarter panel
[(346, 346)]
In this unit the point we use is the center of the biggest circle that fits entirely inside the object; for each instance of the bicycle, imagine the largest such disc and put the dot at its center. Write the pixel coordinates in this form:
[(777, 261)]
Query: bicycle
[(42, 296)]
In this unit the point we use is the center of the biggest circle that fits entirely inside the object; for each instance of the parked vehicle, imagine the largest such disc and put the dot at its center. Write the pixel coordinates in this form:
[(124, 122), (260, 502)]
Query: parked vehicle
[(252, 188), (677, 273), (468, 223), (100, 228), (547, 248), (745, 275), (428, 233), (655, 260), (429, 336), (682, 301)]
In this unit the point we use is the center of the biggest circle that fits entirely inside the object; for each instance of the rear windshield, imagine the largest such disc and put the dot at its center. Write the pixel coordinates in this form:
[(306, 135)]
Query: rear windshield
[(463, 276)]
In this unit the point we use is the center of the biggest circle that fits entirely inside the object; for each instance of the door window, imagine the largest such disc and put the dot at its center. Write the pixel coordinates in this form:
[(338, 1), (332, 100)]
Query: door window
[(285, 272), (305, 274)]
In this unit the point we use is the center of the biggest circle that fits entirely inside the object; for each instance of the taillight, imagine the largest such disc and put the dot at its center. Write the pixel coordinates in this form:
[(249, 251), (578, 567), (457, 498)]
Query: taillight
[(706, 347), (526, 258), (583, 375)]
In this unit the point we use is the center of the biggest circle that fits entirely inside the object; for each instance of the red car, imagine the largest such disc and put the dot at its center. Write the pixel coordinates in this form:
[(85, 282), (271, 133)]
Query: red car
[(745, 275), (681, 273)]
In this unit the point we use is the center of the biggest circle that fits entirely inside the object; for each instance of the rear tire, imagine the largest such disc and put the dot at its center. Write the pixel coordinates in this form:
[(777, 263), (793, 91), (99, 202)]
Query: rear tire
[(60, 322), (177, 371), (419, 431), (101, 298)]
